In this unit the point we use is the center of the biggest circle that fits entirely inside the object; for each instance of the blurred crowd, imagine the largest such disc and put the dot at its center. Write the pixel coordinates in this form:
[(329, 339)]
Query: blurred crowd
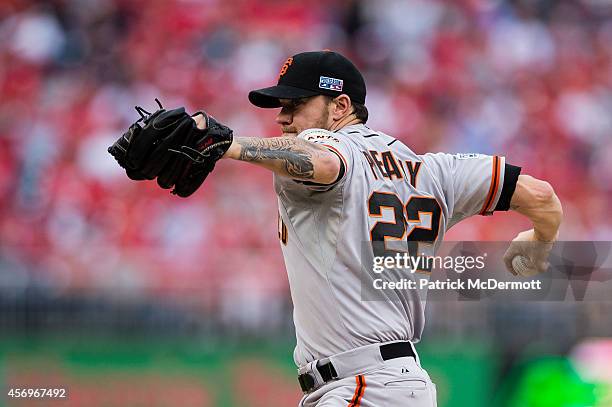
[(531, 80)]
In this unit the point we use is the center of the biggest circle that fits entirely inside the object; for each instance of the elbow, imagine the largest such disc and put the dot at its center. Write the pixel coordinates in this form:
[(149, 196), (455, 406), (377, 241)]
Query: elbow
[(545, 197), (557, 208), (533, 192), (542, 192), (327, 168), (536, 198)]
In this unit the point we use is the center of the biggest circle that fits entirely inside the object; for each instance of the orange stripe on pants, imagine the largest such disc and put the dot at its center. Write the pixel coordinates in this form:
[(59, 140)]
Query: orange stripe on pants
[(359, 390)]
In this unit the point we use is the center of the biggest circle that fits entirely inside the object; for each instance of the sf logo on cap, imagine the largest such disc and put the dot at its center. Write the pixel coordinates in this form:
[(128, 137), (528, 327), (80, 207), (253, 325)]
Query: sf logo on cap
[(286, 66)]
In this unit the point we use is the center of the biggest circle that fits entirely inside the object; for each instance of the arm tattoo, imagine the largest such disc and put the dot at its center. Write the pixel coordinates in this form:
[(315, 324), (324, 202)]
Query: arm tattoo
[(295, 155)]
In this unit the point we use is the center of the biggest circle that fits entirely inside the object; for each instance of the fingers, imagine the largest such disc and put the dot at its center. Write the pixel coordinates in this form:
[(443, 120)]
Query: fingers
[(515, 249), (527, 258), (508, 256)]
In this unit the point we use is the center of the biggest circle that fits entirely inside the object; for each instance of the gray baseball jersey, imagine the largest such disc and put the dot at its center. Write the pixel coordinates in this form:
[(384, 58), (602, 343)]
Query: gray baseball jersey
[(386, 197)]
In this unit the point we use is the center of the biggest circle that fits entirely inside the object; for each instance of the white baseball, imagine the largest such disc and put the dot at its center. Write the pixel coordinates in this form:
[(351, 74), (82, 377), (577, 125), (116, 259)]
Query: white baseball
[(522, 266)]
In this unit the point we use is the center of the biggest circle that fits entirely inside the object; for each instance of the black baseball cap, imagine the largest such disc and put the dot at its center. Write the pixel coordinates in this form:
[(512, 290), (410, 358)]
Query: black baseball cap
[(310, 74)]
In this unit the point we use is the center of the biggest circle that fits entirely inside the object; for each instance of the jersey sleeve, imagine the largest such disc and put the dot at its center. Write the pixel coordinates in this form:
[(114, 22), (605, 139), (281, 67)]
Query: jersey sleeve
[(473, 183), (333, 143)]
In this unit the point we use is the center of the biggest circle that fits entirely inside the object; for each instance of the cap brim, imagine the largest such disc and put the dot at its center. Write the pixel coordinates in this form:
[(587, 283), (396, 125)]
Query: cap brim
[(270, 97)]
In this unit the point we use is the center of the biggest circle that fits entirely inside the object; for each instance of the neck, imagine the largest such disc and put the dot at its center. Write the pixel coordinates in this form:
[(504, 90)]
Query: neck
[(345, 121)]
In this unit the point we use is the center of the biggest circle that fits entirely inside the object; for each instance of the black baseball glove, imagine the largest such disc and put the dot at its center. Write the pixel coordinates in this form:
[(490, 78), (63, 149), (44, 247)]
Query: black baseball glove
[(168, 145)]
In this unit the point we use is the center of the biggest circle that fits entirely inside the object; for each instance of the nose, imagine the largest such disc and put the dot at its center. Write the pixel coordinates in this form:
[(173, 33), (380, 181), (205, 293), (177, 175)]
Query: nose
[(284, 117)]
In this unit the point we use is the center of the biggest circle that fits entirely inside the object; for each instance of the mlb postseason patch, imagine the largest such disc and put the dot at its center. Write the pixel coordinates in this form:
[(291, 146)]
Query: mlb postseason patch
[(330, 83), (466, 156)]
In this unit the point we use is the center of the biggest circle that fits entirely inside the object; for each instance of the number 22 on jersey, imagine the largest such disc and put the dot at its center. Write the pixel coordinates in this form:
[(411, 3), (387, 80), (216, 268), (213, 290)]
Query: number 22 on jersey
[(418, 220)]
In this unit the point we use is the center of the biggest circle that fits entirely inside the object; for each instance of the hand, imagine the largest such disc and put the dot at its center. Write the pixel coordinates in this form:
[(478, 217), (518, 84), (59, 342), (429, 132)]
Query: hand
[(200, 118), (527, 256)]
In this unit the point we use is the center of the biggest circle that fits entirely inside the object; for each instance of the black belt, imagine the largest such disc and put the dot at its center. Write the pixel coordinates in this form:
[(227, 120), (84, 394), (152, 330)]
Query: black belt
[(328, 372)]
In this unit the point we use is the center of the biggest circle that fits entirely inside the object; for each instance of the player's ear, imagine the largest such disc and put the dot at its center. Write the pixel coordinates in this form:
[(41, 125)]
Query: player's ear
[(342, 107)]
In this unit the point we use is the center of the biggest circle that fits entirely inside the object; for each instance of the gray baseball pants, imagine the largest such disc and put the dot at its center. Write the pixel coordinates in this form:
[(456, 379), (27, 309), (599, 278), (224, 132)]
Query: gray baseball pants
[(365, 380)]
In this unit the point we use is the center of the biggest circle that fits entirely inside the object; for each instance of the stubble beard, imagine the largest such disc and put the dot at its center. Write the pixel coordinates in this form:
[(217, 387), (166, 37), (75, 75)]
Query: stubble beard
[(321, 123)]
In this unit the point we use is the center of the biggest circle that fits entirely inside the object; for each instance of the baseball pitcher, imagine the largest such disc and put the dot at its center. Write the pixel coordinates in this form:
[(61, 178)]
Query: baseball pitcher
[(346, 194)]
